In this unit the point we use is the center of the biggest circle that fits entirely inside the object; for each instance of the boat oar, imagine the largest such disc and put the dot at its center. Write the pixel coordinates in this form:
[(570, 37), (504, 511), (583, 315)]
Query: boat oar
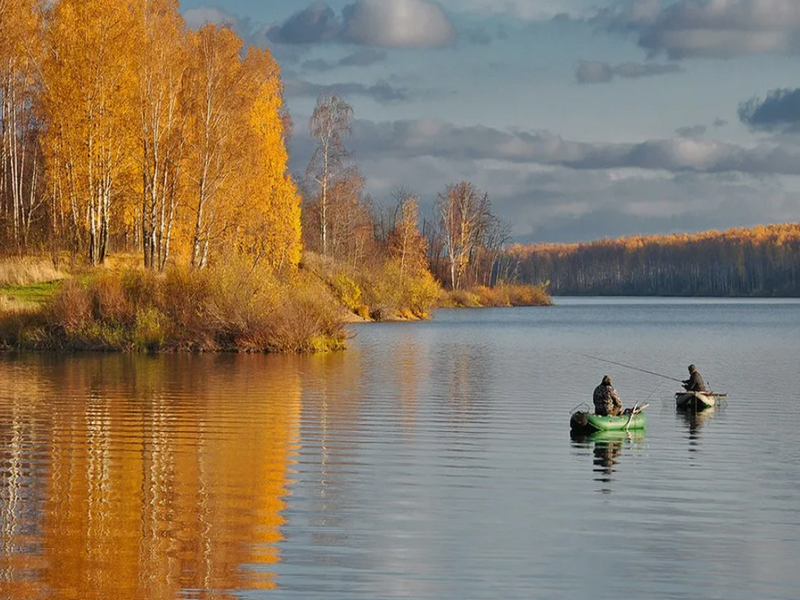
[(630, 416)]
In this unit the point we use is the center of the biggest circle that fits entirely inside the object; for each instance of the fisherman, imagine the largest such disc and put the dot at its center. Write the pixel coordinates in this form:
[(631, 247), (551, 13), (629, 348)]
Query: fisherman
[(695, 382), (606, 399)]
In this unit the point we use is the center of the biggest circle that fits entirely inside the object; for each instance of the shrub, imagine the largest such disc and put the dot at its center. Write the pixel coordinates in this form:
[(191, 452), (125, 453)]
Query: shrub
[(232, 307), (150, 334)]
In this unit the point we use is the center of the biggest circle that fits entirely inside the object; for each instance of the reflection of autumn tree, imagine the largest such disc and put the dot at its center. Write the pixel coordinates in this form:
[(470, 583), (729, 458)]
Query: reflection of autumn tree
[(147, 490), (761, 261)]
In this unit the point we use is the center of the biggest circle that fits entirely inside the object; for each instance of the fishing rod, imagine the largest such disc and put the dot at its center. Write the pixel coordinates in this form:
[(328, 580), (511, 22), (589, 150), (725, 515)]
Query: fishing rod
[(613, 362)]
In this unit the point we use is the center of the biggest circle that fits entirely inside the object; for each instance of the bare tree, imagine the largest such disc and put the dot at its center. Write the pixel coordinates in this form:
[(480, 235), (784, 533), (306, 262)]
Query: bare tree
[(330, 122)]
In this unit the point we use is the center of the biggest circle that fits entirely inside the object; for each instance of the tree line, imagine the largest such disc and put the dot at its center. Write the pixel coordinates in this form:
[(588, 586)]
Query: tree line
[(124, 130), (121, 128), (462, 241), (760, 261)]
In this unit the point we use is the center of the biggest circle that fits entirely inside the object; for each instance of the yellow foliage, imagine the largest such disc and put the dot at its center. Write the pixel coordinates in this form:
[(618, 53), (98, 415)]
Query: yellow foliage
[(270, 212)]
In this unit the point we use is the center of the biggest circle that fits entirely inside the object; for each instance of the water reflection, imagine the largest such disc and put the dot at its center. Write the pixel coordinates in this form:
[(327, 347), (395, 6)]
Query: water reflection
[(607, 450), (694, 420), (130, 478)]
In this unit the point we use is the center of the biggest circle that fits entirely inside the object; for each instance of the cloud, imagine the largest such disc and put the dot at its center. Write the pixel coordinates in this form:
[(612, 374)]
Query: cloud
[(415, 138), (561, 191), (695, 131), (522, 9), (780, 110), (197, 17), (381, 92), (312, 25), (360, 58), (363, 58), (592, 71), (708, 28), (396, 23), (378, 23)]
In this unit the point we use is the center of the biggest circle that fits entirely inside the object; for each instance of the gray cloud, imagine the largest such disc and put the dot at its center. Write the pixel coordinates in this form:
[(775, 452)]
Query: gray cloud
[(380, 92), (379, 23), (413, 138), (708, 28), (360, 58), (592, 71), (779, 110), (312, 25), (561, 191), (695, 131), (363, 58), (720, 122)]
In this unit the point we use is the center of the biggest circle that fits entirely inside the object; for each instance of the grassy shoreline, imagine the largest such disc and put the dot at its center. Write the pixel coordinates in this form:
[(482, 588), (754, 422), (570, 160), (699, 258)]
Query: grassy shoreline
[(230, 308), (227, 309)]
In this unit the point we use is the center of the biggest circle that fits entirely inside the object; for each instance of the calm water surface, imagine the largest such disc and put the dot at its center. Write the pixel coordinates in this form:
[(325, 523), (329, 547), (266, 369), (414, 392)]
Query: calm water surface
[(430, 461)]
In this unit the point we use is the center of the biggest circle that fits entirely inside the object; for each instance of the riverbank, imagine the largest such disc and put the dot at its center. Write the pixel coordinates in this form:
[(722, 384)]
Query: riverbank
[(226, 308)]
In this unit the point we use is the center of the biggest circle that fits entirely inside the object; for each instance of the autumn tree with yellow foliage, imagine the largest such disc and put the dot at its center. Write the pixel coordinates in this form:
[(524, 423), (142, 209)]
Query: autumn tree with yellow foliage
[(760, 261), (270, 210), (21, 197), (123, 129), (88, 109), (161, 66)]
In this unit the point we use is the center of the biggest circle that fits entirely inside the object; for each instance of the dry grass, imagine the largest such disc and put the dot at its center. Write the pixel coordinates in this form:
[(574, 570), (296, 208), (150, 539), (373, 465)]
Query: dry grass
[(504, 294), (16, 271), (229, 308)]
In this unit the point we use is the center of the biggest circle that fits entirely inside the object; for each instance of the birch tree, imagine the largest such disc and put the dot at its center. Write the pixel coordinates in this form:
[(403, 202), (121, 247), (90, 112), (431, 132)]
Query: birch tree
[(20, 158), (216, 114), (88, 108), (270, 210), (330, 123), (461, 211), (161, 64)]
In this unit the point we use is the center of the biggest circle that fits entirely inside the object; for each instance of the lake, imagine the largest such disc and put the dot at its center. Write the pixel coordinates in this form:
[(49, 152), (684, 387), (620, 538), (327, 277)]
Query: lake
[(429, 461)]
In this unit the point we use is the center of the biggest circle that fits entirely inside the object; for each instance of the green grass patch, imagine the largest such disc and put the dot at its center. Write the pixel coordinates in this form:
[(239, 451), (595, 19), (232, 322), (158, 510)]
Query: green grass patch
[(33, 294)]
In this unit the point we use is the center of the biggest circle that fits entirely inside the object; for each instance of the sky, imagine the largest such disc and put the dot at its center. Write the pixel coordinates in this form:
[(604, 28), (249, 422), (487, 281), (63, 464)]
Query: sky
[(581, 119)]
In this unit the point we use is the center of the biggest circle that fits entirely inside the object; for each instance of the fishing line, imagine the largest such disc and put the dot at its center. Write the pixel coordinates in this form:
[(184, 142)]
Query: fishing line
[(613, 362)]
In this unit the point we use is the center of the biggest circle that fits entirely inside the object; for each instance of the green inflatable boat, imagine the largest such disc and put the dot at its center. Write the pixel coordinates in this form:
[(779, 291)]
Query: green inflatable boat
[(585, 422)]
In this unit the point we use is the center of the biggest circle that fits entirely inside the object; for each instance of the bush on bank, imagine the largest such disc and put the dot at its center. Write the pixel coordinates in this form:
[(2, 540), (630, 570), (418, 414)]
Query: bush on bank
[(386, 291), (227, 308), (503, 294)]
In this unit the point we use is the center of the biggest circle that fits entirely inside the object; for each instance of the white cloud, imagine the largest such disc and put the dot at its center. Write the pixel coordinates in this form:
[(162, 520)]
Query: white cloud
[(524, 9), (197, 17), (380, 23), (396, 23)]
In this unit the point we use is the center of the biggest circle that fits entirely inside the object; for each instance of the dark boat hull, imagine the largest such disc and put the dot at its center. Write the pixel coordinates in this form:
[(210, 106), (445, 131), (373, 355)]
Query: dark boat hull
[(696, 400)]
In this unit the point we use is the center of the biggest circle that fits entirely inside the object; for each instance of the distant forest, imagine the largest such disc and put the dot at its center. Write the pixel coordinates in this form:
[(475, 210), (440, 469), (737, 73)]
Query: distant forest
[(762, 261)]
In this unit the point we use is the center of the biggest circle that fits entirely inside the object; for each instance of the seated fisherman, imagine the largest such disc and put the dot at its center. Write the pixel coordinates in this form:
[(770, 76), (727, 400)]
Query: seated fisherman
[(606, 400), (695, 382)]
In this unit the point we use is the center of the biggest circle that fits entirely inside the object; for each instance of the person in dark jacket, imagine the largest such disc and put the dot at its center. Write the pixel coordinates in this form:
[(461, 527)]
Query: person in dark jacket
[(606, 400), (695, 382)]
